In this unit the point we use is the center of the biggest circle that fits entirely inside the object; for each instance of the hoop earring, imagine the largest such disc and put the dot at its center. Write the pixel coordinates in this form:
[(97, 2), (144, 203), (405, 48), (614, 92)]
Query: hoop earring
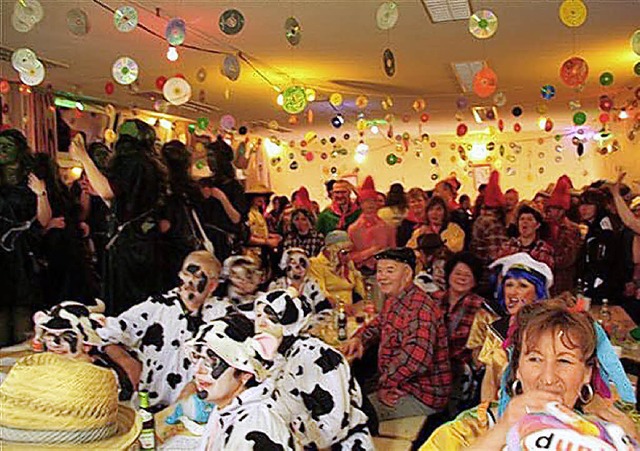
[(586, 399), (516, 387)]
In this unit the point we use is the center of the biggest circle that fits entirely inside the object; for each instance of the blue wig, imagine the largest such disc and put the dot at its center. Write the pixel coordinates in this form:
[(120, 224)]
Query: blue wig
[(534, 277)]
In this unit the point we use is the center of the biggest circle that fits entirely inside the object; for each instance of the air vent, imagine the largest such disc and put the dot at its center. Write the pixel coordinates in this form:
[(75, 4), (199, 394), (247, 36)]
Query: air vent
[(6, 52), (465, 71), (447, 10), (484, 113)]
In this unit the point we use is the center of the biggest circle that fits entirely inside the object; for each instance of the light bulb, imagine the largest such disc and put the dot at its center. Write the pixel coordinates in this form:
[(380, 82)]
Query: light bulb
[(375, 130), (172, 53), (542, 123), (359, 157), (280, 99), (623, 114)]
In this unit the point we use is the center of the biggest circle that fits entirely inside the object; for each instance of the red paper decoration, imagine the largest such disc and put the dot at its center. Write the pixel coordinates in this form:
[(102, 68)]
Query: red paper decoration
[(485, 82), (574, 71)]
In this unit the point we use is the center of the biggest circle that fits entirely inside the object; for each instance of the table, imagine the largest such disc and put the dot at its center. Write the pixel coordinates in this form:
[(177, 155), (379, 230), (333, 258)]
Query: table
[(621, 326), (325, 325)]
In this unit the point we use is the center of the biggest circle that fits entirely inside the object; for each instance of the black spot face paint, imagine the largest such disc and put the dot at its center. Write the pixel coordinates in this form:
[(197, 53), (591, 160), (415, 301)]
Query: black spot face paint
[(192, 268), (203, 394), (202, 283)]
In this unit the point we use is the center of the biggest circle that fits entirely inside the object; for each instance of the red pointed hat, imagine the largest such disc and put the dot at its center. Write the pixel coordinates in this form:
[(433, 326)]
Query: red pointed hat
[(302, 199), (368, 189), (493, 196), (561, 194)]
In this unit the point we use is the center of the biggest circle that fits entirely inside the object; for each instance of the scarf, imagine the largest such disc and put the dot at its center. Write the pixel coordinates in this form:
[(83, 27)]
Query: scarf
[(335, 208), (411, 216)]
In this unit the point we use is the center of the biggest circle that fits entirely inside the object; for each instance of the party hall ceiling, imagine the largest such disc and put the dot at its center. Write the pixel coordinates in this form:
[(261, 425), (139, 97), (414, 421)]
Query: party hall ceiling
[(340, 51)]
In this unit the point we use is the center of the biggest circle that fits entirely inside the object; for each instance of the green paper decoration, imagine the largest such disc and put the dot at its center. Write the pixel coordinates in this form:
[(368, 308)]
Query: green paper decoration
[(294, 100), (203, 123), (636, 68), (392, 159), (192, 128), (606, 79), (579, 118)]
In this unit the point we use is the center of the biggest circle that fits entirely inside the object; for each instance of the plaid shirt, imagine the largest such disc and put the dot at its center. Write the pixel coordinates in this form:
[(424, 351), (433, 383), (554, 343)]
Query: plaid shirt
[(413, 356), (539, 250), (312, 242), (459, 321)]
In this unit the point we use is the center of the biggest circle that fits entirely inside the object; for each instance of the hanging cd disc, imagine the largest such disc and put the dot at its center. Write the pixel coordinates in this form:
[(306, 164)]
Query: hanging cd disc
[(125, 70), (573, 13), (231, 67), (389, 61), (125, 19), (635, 42), (177, 91), (292, 30), (29, 11), (483, 24), (23, 60), (574, 71), (387, 15), (231, 22), (176, 31), (500, 99), (20, 25), (33, 76), (77, 22)]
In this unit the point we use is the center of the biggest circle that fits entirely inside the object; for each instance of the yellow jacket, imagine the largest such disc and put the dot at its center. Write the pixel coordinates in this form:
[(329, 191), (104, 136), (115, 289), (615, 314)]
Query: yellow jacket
[(334, 284)]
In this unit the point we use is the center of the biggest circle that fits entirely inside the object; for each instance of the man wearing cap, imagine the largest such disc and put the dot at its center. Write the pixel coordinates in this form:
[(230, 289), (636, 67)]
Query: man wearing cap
[(231, 372), (335, 272), (341, 213), (564, 237), (413, 359)]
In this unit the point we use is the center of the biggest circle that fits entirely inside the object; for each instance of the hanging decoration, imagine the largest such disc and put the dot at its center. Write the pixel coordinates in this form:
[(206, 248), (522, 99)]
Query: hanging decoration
[(231, 22), (231, 67), (500, 99), (573, 13), (177, 91), (483, 24), (176, 31), (389, 62), (335, 99), (548, 92), (606, 79), (77, 22), (485, 82), (125, 19), (387, 15), (635, 42), (579, 118), (419, 105), (294, 100), (516, 111), (362, 101), (109, 88), (461, 130), (292, 31), (227, 122), (26, 14), (125, 70), (574, 71)]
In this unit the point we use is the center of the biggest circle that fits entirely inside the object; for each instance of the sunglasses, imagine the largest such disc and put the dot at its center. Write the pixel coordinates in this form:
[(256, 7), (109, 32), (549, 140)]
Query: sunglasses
[(211, 362)]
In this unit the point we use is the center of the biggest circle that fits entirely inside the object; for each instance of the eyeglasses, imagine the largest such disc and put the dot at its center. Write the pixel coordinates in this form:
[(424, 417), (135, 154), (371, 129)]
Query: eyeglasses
[(211, 362)]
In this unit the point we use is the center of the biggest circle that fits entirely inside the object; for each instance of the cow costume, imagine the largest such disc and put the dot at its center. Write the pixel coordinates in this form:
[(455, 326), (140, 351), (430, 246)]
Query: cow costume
[(157, 329), (241, 277), (295, 264), (313, 381), (69, 329), (231, 371)]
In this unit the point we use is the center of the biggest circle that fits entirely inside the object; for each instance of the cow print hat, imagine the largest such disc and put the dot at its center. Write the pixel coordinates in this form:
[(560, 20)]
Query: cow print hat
[(289, 253), (245, 262), (232, 339), (292, 310), (72, 316)]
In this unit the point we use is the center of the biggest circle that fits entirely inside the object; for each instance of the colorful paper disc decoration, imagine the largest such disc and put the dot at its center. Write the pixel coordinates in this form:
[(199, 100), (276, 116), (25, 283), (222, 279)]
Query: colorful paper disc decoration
[(77, 22), (389, 62), (20, 25), (292, 31), (387, 15), (125, 19), (483, 24), (125, 70), (177, 91), (294, 100), (635, 42), (574, 71), (231, 22), (33, 76), (485, 82), (23, 60), (573, 13), (176, 31), (227, 122), (606, 79), (231, 67), (548, 92), (26, 13)]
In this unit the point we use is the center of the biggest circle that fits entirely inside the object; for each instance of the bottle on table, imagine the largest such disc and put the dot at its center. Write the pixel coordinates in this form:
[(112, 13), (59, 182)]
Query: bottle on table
[(148, 433), (342, 322), (582, 294), (605, 315)]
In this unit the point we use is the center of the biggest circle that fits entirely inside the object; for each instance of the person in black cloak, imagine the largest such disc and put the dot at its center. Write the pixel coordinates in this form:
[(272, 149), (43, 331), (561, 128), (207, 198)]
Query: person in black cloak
[(225, 207), (180, 231), (24, 211), (136, 186)]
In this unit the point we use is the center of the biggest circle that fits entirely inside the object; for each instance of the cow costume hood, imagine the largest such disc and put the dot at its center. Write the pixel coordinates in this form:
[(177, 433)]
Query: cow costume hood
[(292, 310), (72, 316)]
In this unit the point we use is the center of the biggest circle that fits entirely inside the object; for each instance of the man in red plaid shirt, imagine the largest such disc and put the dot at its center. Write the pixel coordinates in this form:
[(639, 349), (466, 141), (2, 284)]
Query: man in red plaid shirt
[(413, 359)]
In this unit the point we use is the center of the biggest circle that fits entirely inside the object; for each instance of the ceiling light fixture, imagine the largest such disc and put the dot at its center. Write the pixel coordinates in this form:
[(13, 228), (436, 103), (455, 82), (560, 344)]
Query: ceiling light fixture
[(623, 114), (172, 53), (447, 10)]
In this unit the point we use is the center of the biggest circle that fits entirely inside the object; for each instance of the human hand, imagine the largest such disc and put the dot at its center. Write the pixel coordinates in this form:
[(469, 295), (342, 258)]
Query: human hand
[(84, 228), (56, 223), (36, 185), (530, 402), (389, 396), (85, 186), (77, 150), (217, 193), (614, 188), (352, 349)]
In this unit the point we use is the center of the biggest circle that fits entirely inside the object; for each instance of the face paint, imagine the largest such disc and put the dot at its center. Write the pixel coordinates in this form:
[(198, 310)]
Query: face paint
[(297, 267), (195, 282), (267, 321), (214, 377), (65, 343), (245, 280)]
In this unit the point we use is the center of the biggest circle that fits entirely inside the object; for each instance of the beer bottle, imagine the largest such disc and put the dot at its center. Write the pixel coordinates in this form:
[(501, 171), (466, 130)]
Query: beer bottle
[(342, 322), (148, 434)]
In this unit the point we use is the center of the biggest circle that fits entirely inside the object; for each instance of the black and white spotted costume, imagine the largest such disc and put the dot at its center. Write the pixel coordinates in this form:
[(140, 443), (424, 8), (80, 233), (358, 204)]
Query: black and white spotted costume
[(314, 383), (250, 421), (157, 330)]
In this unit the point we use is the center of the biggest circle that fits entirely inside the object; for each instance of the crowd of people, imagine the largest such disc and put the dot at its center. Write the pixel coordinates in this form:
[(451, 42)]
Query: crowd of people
[(197, 290)]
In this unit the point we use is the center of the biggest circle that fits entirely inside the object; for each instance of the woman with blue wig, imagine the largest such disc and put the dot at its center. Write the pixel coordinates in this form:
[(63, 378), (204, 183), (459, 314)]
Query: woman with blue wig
[(521, 281)]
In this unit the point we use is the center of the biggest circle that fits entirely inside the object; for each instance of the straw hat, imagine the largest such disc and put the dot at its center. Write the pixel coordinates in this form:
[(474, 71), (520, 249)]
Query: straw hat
[(49, 402), (258, 190)]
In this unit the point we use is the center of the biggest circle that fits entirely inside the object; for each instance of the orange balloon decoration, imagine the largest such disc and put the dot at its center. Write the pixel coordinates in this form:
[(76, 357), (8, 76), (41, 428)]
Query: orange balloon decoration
[(485, 82), (574, 71)]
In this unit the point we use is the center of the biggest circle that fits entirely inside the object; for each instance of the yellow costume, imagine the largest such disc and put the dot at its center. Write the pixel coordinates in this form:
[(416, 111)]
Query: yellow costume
[(464, 430), (334, 284), (452, 237), (392, 215), (258, 226), (495, 361), (478, 332)]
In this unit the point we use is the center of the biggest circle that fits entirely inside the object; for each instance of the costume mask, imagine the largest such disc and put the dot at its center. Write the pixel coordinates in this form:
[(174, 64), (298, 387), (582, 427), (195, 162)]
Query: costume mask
[(195, 276), (295, 264)]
